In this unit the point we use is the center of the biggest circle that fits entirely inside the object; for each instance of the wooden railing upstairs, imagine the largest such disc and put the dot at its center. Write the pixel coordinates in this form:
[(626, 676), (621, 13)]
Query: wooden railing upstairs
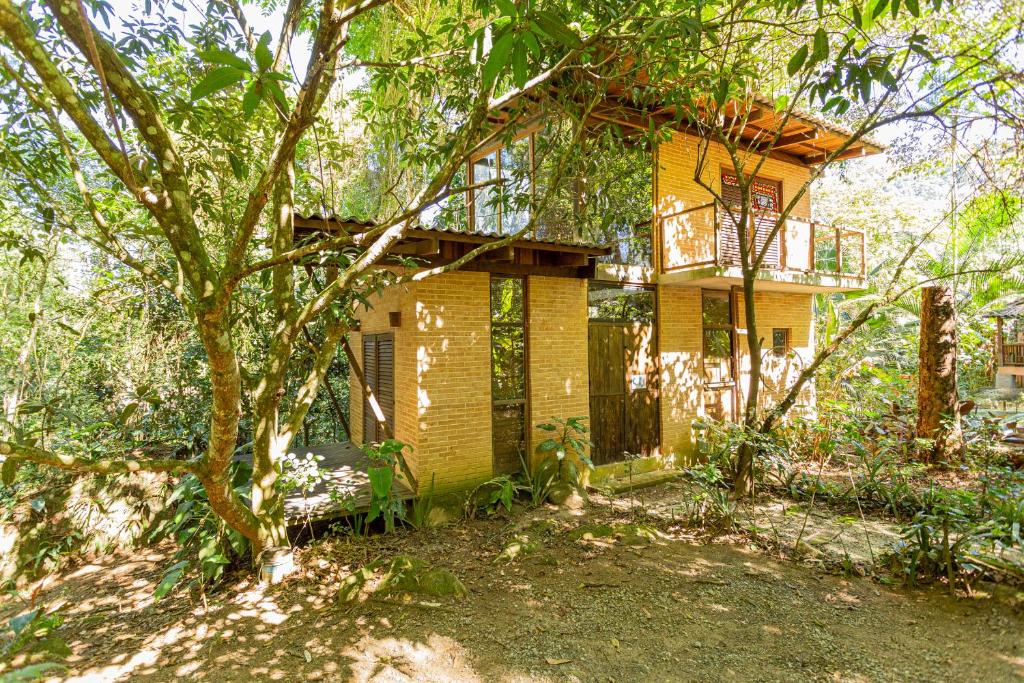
[(1013, 355), (707, 235)]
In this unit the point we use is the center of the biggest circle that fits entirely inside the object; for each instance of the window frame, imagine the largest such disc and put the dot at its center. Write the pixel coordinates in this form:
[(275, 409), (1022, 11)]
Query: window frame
[(729, 327), (787, 344), (529, 132)]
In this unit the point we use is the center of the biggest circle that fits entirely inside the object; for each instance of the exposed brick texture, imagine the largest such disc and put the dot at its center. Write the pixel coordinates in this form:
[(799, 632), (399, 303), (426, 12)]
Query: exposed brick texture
[(689, 237), (442, 347), (557, 343)]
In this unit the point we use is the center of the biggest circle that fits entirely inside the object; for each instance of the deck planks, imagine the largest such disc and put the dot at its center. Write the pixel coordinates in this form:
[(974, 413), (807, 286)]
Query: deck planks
[(345, 468)]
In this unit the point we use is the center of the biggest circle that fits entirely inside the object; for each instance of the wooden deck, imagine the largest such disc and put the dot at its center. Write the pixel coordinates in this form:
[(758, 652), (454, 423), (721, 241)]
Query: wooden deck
[(345, 468)]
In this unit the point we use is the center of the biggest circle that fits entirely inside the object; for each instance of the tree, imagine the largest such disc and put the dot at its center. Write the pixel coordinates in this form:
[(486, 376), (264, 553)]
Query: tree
[(196, 194), (938, 418), (859, 66)]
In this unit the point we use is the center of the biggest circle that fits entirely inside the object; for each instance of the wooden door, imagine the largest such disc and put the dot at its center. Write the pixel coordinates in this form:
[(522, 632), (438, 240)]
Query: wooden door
[(623, 390), (607, 391), (379, 371), (642, 426)]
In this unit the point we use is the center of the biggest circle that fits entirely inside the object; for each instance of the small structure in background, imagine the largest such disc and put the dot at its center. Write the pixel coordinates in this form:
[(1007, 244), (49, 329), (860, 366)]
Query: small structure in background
[(1009, 349)]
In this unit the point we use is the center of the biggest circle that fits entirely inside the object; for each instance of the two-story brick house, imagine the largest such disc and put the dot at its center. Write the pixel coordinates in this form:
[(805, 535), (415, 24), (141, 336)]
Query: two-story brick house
[(642, 339)]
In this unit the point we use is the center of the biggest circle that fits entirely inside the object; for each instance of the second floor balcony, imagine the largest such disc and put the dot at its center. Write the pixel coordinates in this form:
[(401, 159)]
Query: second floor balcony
[(701, 245)]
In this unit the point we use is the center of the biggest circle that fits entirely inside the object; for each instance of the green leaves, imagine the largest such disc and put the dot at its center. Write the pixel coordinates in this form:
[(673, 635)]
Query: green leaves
[(219, 56), (170, 579), (217, 80), (264, 59), (497, 58), (552, 26), (820, 52), (264, 84), (797, 61), (9, 471)]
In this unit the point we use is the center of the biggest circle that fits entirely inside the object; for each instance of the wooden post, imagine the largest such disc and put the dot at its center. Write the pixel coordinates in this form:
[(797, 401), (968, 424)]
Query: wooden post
[(839, 251), (938, 405), (863, 254), (812, 256), (1000, 360)]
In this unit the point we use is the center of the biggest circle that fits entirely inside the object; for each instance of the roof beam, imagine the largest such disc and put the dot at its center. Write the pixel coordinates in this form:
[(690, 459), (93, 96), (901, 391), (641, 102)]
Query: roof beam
[(793, 140), (852, 153)]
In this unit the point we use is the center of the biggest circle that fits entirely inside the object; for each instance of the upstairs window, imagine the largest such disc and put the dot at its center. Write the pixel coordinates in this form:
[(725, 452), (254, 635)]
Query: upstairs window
[(603, 195), (503, 208)]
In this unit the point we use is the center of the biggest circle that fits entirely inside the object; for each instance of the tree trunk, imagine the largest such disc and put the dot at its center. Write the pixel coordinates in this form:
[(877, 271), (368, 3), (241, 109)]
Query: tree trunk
[(744, 483), (938, 416)]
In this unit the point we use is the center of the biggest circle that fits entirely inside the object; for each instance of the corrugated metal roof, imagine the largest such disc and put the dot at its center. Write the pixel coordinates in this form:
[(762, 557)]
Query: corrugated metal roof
[(333, 218), (362, 223), (1014, 309), (539, 240)]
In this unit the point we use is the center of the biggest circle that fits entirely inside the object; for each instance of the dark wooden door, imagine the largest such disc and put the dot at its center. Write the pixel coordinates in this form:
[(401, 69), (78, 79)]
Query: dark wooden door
[(607, 391), (623, 390), (379, 371), (641, 414)]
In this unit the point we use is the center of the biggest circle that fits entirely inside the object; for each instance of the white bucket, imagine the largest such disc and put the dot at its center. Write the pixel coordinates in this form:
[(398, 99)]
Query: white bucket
[(275, 564)]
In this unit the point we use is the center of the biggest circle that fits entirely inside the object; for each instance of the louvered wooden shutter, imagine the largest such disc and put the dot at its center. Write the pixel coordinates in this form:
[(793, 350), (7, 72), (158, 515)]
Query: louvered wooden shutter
[(729, 242), (370, 375), (385, 391), (379, 371)]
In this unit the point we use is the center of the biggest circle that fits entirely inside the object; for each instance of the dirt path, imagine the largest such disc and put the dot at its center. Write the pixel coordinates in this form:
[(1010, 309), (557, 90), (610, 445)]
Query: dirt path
[(607, 609)]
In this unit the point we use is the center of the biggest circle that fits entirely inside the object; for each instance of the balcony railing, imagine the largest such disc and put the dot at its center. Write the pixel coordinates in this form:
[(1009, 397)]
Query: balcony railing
[(707, 235), (1013, 355)]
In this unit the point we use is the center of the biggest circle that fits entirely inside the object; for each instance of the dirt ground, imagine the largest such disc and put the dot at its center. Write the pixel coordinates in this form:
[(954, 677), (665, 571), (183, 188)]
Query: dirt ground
[(645, 603)]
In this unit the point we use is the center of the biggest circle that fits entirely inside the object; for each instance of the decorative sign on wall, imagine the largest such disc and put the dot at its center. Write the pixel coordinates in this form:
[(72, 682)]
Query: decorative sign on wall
[(637, 382)]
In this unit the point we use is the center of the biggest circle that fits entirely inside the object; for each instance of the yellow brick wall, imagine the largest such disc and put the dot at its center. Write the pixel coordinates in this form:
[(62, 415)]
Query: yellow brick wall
[(559, 380), (453, 380), (689, 237), (679, 344), (681, 349), (792, 311)]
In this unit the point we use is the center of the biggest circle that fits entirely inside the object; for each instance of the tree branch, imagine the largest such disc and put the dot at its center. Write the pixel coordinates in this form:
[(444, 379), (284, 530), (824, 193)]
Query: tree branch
[(21, 452)]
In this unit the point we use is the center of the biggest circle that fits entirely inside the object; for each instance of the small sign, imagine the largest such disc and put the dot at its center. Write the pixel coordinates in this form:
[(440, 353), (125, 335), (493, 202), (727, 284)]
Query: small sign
[(637, 382)]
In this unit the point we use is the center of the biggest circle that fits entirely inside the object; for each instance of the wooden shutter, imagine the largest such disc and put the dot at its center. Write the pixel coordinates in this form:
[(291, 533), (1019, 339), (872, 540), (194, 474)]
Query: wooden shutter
[(729, 242), (385, 391), (765, 204), (370, 375), (379, 371)]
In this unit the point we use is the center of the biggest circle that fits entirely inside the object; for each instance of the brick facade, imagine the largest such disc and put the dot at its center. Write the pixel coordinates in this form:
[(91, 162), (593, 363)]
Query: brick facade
[(557, 350), (689, 237), (442, 346)]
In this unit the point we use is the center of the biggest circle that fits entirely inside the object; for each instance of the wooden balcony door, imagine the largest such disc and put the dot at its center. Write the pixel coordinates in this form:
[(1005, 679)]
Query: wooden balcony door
[(379, 372), (764, 205), (623, 390)]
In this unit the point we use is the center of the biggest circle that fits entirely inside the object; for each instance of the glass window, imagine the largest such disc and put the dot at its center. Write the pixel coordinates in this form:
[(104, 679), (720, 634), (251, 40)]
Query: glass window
[(780, 341), (485, 199), (612, 302), (717, 310), (516, 195), (507, 300), (508, 372), (718, 336)]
